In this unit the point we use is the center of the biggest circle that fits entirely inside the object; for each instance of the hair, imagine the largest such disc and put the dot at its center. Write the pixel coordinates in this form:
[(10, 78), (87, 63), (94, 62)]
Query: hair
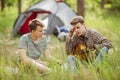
[(76, 20), (34, 23)]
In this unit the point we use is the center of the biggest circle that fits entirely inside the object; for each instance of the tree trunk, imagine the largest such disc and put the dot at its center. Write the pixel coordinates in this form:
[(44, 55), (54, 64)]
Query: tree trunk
[(102, 4), (19, 7), (2, 5), (80, 7)]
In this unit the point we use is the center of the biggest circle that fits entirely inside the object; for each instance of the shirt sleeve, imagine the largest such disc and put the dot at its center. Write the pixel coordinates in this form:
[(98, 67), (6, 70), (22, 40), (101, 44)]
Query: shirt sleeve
[(45, 42), (68, 47), (71, 44), (23, 42), (101, 40)]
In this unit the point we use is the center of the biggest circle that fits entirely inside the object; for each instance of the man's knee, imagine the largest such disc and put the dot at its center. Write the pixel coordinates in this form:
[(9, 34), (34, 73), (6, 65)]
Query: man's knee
[(104, 50), (71, 59)]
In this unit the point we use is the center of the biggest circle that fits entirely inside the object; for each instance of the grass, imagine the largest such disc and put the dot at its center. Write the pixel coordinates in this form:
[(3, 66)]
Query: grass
[(104, 21), (6, 19)]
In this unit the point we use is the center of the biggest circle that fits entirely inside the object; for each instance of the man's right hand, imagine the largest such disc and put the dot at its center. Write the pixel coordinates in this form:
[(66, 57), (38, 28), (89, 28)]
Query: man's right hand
[(71, 31)]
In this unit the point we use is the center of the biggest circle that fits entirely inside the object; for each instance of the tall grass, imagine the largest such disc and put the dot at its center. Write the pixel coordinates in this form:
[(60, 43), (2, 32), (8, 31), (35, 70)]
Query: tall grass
[(106, 22), (108, 70)]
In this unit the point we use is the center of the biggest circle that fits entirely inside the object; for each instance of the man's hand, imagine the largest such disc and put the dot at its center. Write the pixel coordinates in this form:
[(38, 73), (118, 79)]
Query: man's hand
[(80, 31), (59, 62), (42, 62), (71, 31)]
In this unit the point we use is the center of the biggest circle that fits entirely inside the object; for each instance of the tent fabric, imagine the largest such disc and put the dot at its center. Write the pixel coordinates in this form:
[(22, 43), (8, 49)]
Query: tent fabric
[(57, 13), (53, 22)]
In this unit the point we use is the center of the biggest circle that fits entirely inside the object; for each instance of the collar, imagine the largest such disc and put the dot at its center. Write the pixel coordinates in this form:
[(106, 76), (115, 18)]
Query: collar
[(85, 37), (87, 33)]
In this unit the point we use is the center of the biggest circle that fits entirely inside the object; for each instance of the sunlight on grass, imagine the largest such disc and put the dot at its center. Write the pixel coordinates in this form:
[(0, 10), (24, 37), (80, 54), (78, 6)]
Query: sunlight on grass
[(104, 21)]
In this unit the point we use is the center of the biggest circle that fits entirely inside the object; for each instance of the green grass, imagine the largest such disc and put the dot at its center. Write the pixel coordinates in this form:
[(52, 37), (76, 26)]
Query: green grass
[(6, 19), (104, 21)]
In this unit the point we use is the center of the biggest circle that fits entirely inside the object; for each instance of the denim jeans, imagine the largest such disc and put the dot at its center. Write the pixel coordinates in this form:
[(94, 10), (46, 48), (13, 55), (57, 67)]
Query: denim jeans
[(71, 63), (103, 51)]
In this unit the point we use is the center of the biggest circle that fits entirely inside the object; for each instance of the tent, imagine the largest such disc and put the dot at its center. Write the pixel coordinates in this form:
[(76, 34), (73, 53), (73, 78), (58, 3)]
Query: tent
[(52, 12)]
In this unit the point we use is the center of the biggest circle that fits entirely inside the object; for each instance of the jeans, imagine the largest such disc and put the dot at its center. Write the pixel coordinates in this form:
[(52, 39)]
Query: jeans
[(103, 51), (71, 63)]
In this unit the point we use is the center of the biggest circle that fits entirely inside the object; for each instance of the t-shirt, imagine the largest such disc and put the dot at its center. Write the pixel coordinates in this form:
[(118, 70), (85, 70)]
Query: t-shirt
[(34, 50)]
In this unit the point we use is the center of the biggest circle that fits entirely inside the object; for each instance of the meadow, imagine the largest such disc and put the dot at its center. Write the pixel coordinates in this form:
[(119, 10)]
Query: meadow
[(105, 21)]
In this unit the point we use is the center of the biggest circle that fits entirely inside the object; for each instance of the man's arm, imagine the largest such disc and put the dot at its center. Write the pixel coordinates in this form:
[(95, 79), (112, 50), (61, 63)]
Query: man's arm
[(50, 58), (68, 44), (26, 60), (101, 41)]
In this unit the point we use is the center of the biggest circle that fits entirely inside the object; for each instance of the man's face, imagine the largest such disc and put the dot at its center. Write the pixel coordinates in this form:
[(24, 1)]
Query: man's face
[(38, 32), (79, 29)]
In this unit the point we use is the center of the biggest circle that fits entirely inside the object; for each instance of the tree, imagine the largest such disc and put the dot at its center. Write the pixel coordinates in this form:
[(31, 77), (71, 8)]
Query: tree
[(19, 7), (80, 7), (102, 4), (2, 5)]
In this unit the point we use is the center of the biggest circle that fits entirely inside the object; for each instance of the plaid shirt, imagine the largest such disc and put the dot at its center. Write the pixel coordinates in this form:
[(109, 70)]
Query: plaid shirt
[(93, 40)]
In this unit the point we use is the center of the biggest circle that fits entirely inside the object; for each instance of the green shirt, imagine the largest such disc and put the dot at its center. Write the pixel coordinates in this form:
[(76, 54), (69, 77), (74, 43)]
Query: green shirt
[(33, 50)]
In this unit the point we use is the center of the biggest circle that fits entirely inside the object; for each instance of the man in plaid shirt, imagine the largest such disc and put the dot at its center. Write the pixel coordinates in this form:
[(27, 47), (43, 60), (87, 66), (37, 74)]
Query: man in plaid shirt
[(84, 44)]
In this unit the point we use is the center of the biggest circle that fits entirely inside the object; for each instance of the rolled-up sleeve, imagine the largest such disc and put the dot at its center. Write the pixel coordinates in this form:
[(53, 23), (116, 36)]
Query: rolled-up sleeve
[(101, 40)]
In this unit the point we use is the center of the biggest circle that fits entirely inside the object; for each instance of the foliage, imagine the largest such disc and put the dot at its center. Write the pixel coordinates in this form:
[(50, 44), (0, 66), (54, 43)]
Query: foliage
[(116, 4), (8, 16), (6, 19), (10, 2), (104, 21), (92, 5), (15, 2), (72, 4)]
